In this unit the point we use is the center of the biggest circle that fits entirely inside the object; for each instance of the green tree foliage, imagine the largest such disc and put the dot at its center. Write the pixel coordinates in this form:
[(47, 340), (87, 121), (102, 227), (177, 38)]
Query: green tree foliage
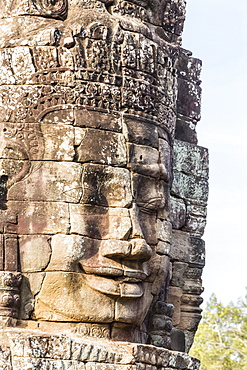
[(221, 339)]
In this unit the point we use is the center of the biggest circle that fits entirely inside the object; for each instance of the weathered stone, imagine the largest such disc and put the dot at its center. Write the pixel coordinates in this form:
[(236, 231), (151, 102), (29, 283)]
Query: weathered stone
[(189, 68), (178, 272), (41, 217), (190, 159), (58, 142), (148, 226), (189, 99), (164, 231), (103, 147), (106, 186), (195, 219), (190, 187), (59, 116), (16, 65), (59, 181), (35, 252), (174, 298), (187, 249), (144, 159), (100, 222), (178, 213), (67, 296), (163, 247), (162, 268), (67, 250), (94, 119), (148, 192), (142, 133), (186, 129)]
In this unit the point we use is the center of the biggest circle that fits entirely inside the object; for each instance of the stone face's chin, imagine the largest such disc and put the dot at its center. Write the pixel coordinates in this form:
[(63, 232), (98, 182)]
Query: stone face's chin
[(77, 297)]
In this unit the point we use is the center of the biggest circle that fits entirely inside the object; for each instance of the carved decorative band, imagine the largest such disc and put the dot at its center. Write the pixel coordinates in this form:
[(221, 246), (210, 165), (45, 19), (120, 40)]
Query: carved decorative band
[(9, 293)]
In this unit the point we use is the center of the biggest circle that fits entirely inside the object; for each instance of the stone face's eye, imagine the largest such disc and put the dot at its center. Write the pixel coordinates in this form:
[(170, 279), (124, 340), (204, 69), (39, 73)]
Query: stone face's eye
[(149, 192)]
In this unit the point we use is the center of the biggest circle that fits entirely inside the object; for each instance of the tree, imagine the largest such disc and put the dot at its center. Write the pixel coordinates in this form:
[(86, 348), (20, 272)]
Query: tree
[(221, 339)]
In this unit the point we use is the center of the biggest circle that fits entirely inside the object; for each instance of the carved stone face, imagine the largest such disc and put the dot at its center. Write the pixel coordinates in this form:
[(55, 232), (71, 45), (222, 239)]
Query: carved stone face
[(89, 181), (93, 230)]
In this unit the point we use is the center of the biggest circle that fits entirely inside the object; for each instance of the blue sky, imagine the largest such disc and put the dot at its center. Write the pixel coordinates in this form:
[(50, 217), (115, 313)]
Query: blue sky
[(216, 32)]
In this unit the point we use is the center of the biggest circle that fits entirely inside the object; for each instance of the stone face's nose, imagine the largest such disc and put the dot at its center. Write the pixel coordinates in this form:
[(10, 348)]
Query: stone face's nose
[(136, 249)]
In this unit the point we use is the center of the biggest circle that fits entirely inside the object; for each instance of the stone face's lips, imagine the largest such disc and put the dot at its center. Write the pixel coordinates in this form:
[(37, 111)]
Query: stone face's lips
[(113, 287), (115, 272)]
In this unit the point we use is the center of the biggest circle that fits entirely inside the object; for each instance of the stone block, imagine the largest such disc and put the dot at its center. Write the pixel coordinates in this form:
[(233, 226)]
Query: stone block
[(35, 252), (148, 224), (189, 99), (106, 186), (195, 219), (16, 65), (178, 272), (141, 132), (59, 116), (11, 97), (187, 249), (164, 229), (134, 311), (31, 285), (191, 302), (186, 129), (67, 251), (144, 160), (190, 159), (165, 160), (177, 340), (14, 170), (189, 321), (195, 225), (41, 217), (10, 252), (149, 193), (5, 358), (102, 147), (164, 212), (6, 73), (159, 271), (193, 287), (98, 120), (190, 187), (174, 298), (100, 222), (67, 296), (21, 141), (177, 213), (51, 181), (189, 68), (100, 366), (58, 142), (163, 248)]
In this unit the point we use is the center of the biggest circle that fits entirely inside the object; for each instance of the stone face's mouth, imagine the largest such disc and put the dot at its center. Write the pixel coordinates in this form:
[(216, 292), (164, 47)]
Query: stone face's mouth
[(117, 288), (115, 273)]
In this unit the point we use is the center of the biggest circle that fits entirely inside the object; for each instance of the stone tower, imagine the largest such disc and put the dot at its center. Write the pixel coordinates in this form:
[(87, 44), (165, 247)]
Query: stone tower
[(103, 188)]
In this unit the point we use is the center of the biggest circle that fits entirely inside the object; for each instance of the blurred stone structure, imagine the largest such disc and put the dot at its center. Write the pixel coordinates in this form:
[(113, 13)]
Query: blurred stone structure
[(103, 188)]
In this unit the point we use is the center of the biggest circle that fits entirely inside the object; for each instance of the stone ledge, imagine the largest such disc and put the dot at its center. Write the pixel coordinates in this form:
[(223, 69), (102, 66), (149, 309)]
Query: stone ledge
[(30, 350)]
